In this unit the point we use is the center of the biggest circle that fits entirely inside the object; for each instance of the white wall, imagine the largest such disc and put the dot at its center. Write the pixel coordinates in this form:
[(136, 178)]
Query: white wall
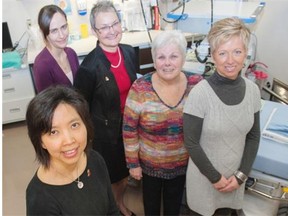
[(16, 13), (271, 31), (272, 35)]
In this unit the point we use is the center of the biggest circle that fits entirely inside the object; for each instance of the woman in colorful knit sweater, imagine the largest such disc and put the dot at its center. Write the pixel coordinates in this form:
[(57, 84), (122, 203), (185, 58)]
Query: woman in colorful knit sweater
[(153, 125)]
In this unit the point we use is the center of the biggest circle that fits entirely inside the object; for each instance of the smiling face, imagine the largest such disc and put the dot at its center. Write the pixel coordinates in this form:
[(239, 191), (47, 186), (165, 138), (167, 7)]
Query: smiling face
[(58, 31), (168, 62), (68, 136), (108, 30), (229, 57)]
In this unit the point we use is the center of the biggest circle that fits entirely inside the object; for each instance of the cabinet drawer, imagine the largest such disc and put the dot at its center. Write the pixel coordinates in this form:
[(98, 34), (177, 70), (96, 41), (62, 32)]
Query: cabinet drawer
[(16, 85), (11, 77), (15, 110)]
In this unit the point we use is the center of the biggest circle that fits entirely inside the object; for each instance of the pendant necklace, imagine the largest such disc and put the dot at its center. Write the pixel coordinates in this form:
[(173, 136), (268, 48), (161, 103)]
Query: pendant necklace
[(80, 184), (120, 59)]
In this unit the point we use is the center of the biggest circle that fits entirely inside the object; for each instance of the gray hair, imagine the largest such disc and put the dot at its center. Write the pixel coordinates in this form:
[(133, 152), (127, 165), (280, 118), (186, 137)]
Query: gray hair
[(223, 30), (169, 37), (101, 6)]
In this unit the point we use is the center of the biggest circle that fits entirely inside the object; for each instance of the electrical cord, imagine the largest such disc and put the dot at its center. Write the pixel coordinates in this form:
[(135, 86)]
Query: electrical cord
[(26, 48), (197, 53), (174, 21), (145, 20), (212, 13), (199, 59), (209, 69), (17, 42), (198, 43)]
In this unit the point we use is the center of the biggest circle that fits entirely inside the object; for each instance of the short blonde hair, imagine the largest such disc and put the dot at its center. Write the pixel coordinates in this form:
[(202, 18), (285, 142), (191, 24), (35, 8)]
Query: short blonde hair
[(223, 30), (169, 37)]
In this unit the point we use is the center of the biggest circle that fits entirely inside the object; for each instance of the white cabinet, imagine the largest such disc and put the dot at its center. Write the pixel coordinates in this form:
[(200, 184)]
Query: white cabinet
[(17, 91)]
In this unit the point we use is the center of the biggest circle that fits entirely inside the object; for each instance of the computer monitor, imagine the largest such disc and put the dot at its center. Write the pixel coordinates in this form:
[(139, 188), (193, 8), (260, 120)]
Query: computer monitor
[(6, 38)]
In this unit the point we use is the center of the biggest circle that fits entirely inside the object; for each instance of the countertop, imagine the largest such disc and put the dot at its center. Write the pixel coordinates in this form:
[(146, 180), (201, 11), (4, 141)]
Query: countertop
[(83, 46)]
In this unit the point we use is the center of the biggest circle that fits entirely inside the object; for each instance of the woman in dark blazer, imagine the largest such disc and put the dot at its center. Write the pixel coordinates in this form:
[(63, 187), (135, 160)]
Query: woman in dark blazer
[(104, 78)]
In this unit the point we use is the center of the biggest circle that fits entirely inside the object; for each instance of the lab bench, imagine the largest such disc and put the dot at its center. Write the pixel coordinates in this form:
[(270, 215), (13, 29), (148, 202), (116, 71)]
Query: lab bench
[(139, 40), (18, 85)]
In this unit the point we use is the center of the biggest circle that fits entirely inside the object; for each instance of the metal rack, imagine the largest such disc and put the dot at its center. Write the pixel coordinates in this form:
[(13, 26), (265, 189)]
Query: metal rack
[(279, 92)]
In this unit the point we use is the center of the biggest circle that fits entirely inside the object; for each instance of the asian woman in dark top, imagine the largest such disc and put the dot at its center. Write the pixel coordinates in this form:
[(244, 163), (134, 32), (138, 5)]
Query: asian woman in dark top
[(72, 179)]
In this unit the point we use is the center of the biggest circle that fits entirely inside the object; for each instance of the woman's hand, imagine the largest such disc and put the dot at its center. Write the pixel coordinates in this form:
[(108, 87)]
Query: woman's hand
[(136, 173), (226, 185), (222, 183)]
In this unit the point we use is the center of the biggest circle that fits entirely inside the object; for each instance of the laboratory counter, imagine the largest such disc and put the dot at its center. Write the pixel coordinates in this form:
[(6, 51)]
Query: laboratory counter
[(139, 40)]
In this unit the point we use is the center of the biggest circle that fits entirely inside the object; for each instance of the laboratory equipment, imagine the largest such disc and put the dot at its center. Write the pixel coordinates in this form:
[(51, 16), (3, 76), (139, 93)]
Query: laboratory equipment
[(199, 15), (81, 7), (268, 180), (6, 38), (272, 157)]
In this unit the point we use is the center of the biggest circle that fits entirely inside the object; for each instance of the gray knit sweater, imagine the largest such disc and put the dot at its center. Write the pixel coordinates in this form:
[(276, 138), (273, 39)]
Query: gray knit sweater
[(221, 134)]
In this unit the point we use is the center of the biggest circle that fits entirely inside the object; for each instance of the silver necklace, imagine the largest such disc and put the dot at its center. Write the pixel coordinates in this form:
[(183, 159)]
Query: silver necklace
[(80, 184), (120, 59)]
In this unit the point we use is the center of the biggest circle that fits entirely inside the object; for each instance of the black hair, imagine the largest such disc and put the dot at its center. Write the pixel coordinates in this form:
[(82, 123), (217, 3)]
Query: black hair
[(40, 113)]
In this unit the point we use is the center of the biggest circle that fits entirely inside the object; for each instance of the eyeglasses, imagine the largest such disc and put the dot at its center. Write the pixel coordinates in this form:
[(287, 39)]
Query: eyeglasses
[(106, 29), (56, 31)]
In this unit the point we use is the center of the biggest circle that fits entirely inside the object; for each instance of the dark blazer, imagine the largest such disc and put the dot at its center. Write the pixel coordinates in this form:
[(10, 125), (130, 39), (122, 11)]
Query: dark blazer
[(98, 85)]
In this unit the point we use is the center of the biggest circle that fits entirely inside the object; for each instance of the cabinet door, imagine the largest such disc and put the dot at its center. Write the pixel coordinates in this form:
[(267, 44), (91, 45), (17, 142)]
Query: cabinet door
[(17, 91), (17, 84), (14, 111), (145, 61)]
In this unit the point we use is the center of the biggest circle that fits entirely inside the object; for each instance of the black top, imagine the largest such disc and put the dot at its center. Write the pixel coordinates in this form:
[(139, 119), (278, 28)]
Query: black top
[(98, 85), (230, 92), (95, 198)]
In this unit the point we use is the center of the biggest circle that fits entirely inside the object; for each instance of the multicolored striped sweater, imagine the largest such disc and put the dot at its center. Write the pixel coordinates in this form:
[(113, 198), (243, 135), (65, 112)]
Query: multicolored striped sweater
[(153, 131)]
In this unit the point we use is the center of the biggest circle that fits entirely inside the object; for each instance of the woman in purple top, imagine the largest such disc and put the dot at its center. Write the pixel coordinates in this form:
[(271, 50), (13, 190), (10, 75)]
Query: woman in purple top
[(56, 63)]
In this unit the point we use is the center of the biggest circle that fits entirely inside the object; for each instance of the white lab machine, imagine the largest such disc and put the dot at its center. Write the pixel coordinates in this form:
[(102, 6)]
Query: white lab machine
[(198, 14)]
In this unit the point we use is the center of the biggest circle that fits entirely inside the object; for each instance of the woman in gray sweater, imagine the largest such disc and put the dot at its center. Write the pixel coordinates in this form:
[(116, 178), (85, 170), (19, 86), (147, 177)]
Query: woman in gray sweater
[(221, 125)]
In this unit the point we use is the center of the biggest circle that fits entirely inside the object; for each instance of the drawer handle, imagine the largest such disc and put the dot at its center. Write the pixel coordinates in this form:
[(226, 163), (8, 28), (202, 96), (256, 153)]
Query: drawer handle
[(9, 90), (14, 110), (6, 76)]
